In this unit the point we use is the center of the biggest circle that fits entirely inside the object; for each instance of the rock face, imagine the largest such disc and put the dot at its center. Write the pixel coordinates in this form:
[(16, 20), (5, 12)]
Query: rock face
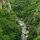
[(24, 30), (5, 4), (0, 4)]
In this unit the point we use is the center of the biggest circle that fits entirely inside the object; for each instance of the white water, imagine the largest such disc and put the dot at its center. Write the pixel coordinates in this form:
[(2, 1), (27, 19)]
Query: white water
[(24, 31)]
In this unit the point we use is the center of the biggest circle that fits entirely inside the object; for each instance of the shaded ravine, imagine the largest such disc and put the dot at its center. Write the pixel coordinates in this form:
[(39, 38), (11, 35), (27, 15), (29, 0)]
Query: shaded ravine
[(24, 30)]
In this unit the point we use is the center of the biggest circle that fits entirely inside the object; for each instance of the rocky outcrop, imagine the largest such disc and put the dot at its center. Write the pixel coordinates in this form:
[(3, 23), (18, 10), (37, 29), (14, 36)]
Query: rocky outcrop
[(5, 4)]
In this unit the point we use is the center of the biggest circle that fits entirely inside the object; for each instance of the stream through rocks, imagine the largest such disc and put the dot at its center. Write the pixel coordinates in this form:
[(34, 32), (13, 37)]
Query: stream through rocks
[(24, 30)]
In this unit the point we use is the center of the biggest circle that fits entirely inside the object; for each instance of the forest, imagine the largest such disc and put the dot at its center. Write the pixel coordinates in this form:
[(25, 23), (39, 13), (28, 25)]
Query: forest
[(19, 19)]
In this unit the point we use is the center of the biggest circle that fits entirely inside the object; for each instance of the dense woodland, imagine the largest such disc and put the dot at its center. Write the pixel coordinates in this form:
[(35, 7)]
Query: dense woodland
[(11, 11)]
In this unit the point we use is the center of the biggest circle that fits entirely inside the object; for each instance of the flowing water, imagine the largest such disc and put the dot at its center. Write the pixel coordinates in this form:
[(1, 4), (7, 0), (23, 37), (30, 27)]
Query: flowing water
[(24, 31)]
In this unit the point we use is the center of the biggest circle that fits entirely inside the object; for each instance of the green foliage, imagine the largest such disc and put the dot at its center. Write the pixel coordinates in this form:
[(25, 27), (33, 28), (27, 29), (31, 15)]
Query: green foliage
[(38, 38), (9, 27), (30, 12)]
